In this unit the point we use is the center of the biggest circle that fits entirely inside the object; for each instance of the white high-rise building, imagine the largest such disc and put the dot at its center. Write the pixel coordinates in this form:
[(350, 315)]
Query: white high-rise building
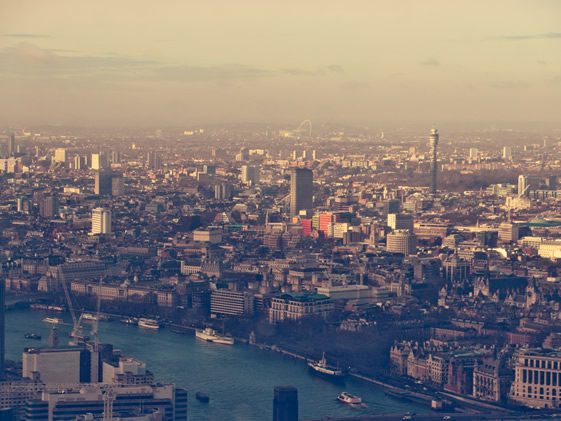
[(402, 241), (78, 162), (507, 153), (101, 221), (400, 221), (96, 161), (60, 155), (99, 161)]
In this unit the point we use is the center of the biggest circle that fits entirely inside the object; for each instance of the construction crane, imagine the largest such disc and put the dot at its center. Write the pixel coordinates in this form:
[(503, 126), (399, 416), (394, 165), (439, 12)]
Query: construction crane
[(76, 333), (95, 329)]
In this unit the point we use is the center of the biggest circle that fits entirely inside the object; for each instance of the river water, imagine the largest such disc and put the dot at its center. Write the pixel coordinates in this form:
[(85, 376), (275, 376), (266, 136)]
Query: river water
[(239, 379)]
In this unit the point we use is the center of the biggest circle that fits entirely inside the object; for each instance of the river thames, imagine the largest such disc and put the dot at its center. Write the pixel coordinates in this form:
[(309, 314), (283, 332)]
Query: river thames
[(239, 379)]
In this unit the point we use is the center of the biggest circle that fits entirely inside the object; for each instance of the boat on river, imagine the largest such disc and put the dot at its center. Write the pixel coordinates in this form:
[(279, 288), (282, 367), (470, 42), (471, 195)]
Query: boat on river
[(148, 323), (52, 320), (91, 317), (349, 399), (210, 335), (130, 321), (322, 367)]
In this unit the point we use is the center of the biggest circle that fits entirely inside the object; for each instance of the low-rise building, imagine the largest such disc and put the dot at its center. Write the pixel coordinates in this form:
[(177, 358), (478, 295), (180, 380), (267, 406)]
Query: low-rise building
[(231, 303), (297, 306), (537, 379)]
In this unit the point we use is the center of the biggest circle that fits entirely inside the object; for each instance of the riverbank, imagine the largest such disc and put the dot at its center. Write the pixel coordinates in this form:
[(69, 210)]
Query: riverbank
[(228, 374), (462, 402), (400, 393)]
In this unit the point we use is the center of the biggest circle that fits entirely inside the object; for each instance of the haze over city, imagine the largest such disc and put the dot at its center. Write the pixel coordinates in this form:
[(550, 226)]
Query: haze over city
[(144, 63), (278, 210)]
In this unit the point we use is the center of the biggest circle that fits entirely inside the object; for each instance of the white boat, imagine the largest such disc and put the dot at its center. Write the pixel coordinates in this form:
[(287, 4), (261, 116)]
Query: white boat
[(89, 316), (148, 324), (210, 335), (322, 367), (60, 309), (52, 320), (94, 317), (349, 399)]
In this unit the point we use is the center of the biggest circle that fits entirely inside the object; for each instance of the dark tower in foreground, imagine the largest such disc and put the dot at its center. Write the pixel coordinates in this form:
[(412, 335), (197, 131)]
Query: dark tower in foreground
[(2, 324), (285, 404), (433, 144)]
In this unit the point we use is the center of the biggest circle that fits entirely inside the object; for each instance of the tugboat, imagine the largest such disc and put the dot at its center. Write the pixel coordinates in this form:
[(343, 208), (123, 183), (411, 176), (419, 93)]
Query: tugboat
[(325, 369), (35, 336), (349, 399), (210, 335), (202, 397)]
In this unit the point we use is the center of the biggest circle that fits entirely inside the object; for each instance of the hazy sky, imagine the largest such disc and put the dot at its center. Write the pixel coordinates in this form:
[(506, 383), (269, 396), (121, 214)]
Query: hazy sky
[(183, 62)]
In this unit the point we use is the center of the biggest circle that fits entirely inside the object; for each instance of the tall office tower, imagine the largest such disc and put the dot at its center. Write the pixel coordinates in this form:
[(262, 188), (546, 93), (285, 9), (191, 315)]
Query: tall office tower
[(60, 155), (301, 190), (315, 155), (400, 221), (115, 157), (103, 182), (48, 206), (285, 404), (527, 183), (20, 201), (507, 153), (522, 185), (509, 232), (2, 325), (209, 169), (117, 185), (12, 145), (101, 221), (77, 162), (250, 175), (23, 204), (97, 161), (243, 155), (433, 144), (223, 191), (154, 161), (401, 241), (473, 154)]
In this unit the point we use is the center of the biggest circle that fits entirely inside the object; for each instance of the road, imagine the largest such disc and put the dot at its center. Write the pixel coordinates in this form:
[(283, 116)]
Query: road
[(439, 416)]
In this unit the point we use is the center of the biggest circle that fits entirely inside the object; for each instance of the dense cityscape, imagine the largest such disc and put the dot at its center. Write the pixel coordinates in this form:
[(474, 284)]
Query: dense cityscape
[(291, 211), (422, 262)]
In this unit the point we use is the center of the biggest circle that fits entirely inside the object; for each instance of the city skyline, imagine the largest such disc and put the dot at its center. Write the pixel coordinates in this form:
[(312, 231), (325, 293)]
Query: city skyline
[(280, 210)]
